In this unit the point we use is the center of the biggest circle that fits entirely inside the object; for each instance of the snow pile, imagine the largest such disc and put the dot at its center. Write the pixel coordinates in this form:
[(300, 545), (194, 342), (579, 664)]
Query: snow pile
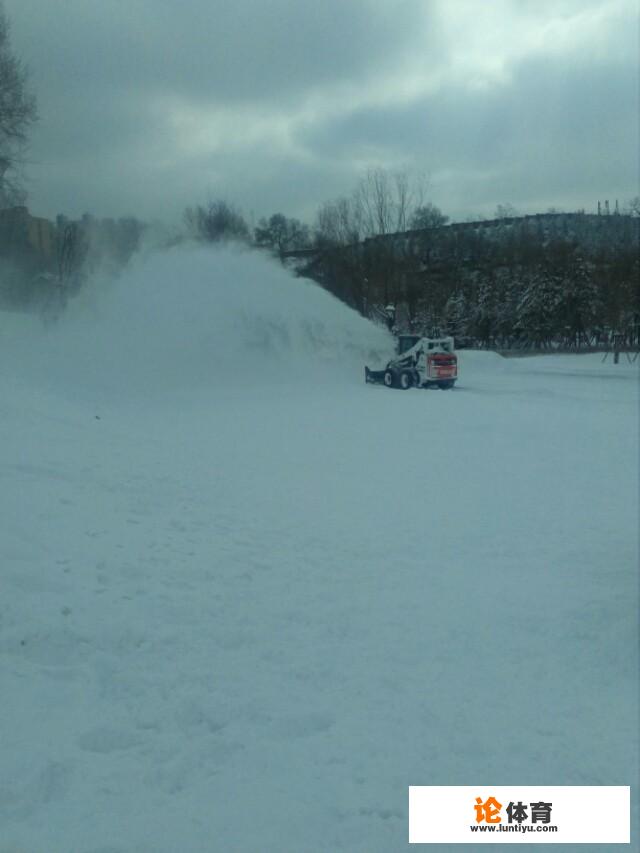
[(192, 317)]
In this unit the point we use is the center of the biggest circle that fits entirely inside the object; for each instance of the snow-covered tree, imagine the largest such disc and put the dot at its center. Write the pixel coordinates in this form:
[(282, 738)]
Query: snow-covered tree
[(483, 315), (507, 298), (457, 316), (580, 305), (537, 309)]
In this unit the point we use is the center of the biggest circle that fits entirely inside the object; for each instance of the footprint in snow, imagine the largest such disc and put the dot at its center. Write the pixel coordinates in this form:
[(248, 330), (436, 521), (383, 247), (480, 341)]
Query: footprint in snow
[(303, 725), (382, 813), (22, 798), (60, 647), (105, 740), (104, 850)]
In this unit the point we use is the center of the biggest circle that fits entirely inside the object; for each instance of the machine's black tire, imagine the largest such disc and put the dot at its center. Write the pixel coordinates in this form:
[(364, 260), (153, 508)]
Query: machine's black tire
[(405, 380), (447, 384), (389, 378)]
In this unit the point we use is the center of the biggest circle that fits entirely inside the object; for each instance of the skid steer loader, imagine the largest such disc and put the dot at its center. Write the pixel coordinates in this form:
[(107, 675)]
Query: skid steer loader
[(420, 362)]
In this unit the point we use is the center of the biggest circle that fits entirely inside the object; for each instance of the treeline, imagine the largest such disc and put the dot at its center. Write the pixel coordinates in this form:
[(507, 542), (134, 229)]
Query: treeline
[(381, 203), (566, 300), (555, 279), (569, 280)]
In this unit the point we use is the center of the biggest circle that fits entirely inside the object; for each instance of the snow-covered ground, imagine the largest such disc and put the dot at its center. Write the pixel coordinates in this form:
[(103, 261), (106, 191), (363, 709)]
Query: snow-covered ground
[(246, 600)]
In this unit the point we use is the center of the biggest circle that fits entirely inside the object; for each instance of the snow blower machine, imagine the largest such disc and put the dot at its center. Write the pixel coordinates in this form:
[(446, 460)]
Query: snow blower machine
[(420, 362)]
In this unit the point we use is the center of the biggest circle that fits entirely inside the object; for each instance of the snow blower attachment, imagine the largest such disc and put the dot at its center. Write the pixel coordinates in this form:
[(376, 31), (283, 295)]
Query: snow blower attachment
[(422, 362)]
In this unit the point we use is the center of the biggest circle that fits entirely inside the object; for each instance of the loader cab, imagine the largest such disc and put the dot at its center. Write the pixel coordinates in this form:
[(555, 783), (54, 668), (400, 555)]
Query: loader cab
[(405, 342), (439, 344)]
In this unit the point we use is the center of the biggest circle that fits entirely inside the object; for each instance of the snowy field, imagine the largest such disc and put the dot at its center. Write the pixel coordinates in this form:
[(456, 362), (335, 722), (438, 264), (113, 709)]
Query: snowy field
[(247, 600)]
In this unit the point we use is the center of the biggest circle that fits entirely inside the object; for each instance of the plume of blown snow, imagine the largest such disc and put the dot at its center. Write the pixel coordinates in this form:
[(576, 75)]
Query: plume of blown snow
[(192, 317)]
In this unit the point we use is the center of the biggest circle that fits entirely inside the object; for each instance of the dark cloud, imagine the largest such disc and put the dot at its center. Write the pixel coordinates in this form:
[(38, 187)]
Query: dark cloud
[(554, 132), (148, 106), (217, 51)]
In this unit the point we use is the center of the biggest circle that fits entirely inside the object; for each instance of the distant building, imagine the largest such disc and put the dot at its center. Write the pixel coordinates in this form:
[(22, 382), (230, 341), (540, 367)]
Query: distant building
[(28, 258), (23, 236)]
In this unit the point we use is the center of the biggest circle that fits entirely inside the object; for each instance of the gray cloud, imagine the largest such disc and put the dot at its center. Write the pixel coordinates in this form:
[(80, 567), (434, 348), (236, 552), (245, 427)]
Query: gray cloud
[(554, 131), (213, 50), (148, 106)]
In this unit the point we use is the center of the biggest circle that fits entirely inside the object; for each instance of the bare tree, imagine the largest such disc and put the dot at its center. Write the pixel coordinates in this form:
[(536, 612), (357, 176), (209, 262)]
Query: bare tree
[(506, 211), (428, 216), (385, 201), (17, 115), (409, 195), (72, 250), (338, 223), (217, 222), (372, 199), (281, 234), (632, 207)]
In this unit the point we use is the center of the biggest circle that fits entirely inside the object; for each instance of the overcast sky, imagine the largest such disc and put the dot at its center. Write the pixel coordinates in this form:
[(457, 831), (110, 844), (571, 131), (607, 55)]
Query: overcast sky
[(147, 106)]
